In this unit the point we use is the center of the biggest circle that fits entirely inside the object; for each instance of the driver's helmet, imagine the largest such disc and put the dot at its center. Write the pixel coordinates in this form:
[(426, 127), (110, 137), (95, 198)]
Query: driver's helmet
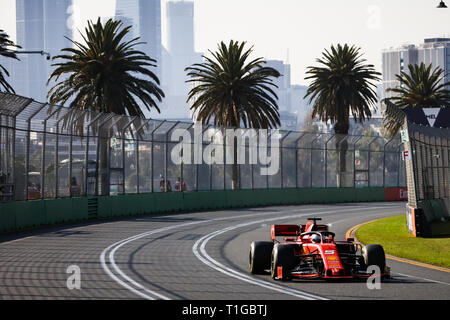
[(315, 238)]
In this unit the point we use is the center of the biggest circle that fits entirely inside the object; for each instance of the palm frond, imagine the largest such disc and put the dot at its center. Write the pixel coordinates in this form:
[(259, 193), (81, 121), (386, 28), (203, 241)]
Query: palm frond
[(106, 73), (5, 50), (421, 87), (230, 90), (394, 118), (342, 84)]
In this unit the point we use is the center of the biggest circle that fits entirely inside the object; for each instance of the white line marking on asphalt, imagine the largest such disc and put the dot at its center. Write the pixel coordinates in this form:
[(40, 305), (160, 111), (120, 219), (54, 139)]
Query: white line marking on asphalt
[(112, 262), (425, 279)]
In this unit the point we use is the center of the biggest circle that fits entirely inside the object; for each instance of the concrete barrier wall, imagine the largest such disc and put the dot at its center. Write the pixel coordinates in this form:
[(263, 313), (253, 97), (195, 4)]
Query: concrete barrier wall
[(16, 216)]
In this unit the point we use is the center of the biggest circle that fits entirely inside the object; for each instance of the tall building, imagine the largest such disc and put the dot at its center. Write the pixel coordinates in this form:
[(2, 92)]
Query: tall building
[(283, 83), (435, 51), (42, 25), (178, 55), (144, 16), (299, 105), (180, 27)]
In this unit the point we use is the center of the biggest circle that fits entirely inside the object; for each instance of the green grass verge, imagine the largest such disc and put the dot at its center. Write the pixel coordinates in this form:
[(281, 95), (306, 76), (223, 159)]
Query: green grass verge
[(393, 235)]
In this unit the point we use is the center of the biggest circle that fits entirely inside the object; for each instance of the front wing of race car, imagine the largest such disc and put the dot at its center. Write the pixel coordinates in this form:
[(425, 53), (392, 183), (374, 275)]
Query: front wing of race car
[(315, 275)]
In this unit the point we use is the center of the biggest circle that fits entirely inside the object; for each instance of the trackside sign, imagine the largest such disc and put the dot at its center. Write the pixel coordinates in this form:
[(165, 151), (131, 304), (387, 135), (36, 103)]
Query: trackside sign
[(430, 117), (406, 155), (396, 194)]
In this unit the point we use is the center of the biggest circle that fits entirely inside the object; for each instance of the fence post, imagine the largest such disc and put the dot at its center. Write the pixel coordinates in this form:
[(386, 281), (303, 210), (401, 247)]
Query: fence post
[(152, 153), (399, 164), (27, 153), (57, 159), (138, 165), (311, 161), (296, 158), (71, 149), (354, 160), (326, 160), (128, 125), (166, 160), (369, 158), (281, 161), (269, 136), (384, 161), (97, 183), (86, 159), (44, 147)]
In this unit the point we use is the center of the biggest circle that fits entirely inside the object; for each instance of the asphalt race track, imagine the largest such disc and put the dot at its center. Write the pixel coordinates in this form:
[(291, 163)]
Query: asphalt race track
[(194, 256)]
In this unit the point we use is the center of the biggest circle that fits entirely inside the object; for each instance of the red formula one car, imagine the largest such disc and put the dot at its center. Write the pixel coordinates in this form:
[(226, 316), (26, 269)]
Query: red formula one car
[(311, 252)]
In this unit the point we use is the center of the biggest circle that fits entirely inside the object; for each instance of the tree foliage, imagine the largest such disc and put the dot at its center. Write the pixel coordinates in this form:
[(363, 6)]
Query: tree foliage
[(5, 50), (106, 73), (342, 85), (421, 87), (230, 90)]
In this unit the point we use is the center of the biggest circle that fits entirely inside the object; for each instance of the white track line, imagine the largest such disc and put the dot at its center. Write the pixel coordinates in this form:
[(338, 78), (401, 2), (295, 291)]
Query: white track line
[(137, 288), (114, 247), (425, 279)]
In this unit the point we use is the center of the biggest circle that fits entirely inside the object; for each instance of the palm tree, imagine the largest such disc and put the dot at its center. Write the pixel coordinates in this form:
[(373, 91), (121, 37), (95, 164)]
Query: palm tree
[(422, 87), (231, 91), (341, 86), (5, 51), (105, 74)]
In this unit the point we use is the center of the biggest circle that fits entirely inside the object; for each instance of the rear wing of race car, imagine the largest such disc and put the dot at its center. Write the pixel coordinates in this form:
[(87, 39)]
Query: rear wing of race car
[(285, 230)]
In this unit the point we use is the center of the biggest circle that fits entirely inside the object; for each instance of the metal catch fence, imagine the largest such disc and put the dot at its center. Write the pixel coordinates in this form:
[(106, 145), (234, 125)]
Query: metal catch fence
[(49, 151), (429, 150)]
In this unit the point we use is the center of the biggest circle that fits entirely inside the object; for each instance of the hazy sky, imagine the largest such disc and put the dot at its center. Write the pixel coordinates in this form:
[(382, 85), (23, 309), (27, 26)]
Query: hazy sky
[(295, 29)]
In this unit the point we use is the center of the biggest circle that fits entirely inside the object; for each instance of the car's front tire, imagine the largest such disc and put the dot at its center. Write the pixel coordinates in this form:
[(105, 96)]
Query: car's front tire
[(374, 256), (282, 256), (259, 256)]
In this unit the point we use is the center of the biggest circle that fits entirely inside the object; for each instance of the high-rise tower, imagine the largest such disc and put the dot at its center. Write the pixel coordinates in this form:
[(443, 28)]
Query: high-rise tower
[(144, 16), (179, 55), (180, 27), (42, 25)]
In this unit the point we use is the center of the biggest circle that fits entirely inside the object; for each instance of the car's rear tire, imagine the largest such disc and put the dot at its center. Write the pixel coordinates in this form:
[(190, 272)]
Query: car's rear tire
[(282, 256), (374, 256), (259, 256)]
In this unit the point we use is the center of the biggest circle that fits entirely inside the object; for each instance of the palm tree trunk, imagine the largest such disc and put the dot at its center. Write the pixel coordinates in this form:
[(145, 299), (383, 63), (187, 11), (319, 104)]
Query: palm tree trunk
[(342, 147)]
